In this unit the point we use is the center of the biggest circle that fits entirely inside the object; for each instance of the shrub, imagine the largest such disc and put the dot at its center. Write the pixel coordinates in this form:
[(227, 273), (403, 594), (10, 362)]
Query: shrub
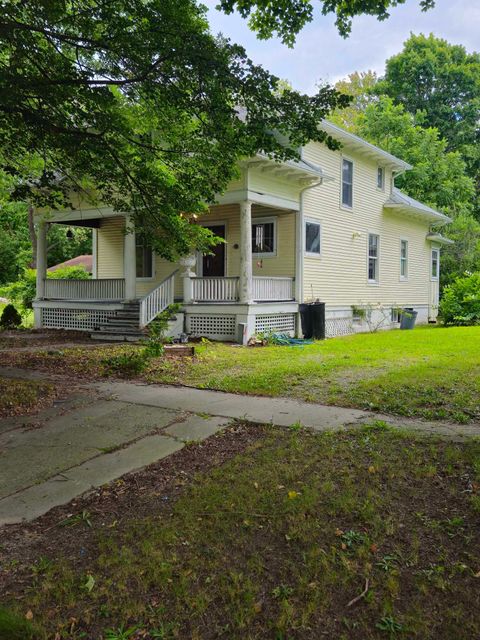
[(460, 304), (69, 273), (127, 364), (154, 345), (10, 319)]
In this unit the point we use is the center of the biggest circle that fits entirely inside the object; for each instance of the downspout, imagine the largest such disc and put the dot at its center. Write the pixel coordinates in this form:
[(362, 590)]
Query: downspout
[(300, 234)]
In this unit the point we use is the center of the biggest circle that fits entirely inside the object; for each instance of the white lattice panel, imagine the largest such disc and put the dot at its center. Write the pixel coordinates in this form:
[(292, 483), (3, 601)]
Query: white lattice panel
[(217, 327), (79, 319), (338, 327), (279, 323)]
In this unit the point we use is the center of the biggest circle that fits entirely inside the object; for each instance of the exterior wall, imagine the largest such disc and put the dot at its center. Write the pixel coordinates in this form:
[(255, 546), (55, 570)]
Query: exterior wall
[(110, 236), (339, 276)]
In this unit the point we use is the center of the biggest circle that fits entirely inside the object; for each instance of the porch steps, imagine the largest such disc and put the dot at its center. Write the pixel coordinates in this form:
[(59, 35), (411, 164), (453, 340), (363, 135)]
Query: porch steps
[(123, 327)]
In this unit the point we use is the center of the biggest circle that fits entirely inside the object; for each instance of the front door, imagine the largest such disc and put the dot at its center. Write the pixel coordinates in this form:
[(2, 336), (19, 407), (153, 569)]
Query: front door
[(213, 265)]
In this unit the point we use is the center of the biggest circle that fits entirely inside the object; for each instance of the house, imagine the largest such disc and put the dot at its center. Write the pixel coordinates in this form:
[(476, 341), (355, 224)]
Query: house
[(85, 262), (331, 226)]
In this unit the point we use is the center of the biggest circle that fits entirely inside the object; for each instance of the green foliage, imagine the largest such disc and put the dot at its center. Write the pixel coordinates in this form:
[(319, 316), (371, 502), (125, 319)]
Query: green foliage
[(460, 304), (127, 364), (10, 319), (13, 627), (69, 273), (286, 19), (117, 107), (154, 345), (464, 254)]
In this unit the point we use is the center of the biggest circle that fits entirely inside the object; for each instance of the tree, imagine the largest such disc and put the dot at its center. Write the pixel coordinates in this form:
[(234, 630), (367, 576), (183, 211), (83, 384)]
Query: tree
[(135, 104), (360, 86), (287, 18), (443, 81), (438, 177)]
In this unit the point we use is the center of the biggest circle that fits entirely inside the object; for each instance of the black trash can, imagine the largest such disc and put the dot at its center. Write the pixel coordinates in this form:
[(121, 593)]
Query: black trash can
[(408, 318), (313, 320)]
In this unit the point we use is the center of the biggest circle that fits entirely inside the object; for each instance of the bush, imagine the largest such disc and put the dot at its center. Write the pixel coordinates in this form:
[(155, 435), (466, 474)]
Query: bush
[(154, 345), (10, 319), (69, 273), (460, 304), (127, 364)]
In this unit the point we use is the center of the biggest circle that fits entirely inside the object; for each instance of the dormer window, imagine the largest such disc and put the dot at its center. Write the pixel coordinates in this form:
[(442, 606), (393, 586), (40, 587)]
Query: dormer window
[(381, 178)]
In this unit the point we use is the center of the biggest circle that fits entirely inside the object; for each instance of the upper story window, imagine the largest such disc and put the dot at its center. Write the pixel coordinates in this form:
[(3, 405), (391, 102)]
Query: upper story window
[(435, 264), (381, 178), (312, 238), (347, 183), (144, 257), (403, 259), (373, 257), (263, 236)]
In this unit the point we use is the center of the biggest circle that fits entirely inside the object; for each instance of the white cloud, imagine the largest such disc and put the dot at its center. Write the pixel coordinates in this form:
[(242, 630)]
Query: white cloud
[(321, 54)]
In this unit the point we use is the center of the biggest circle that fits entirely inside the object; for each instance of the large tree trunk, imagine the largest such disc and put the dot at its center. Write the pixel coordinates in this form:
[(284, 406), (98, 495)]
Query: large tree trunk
[(33, 236)]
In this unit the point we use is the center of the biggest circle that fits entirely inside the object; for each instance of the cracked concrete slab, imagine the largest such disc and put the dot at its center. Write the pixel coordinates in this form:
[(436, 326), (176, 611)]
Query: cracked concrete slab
[(196, 428)]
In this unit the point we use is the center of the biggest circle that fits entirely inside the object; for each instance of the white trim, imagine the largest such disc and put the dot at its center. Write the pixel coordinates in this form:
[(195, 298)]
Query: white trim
[(266, 220), (437, 251), (265, 199), (312, 254), (407, 260), (346, 207), (377, 269), (94, 253)]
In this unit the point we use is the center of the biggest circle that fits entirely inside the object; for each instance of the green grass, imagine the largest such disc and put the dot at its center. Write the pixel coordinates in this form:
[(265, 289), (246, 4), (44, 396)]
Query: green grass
[(433, 373), (275, 542)]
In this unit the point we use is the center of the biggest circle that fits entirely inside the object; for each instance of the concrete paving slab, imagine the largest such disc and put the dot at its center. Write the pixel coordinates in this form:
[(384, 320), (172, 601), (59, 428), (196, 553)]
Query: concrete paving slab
[(196, 428), (38, 499), (28, 456)]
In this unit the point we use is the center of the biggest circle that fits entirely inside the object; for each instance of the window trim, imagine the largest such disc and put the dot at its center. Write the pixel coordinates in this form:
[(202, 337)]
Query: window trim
[(377, 270), (267, 220), (437, 251), (199, 254), (382, 187), (404, 278), (144, 278), (312, 254), (347, 207)]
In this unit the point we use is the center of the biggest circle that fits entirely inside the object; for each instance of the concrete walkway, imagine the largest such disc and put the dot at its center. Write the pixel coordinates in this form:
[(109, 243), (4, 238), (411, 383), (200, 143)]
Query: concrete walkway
[(107, 429)]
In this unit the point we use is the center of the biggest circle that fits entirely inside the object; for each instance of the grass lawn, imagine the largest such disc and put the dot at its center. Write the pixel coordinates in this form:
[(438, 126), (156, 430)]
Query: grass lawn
[(276, 540), (23, 396)]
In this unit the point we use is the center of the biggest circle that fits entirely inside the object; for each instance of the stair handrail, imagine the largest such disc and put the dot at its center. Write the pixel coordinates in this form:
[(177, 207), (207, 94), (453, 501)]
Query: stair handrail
[(157, 300)]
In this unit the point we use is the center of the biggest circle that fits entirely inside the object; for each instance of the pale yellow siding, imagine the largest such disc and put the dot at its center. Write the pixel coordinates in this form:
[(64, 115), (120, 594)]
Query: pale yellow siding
[(263, 182), (339, 276), (110, 239)]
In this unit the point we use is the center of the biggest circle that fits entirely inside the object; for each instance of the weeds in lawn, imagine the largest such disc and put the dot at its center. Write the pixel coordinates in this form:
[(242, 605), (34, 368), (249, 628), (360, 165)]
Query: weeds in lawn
[(79, 518)]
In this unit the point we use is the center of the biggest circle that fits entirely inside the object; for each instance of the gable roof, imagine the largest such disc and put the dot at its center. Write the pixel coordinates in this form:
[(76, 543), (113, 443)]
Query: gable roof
[(354, 143), (400, 201)]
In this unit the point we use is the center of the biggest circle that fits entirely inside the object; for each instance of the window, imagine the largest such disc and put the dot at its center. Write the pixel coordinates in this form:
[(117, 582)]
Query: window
[(263, 237), (312, 237), (435, 263), (403, 259), (347, 183), (395, 315), (373, 246), (144, 258), (381, 178)]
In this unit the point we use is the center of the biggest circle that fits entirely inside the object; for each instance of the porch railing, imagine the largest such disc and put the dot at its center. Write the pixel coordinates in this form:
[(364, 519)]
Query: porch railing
[(215, 289), (265, 289), (268, 289), (157, 300), (95, 289)]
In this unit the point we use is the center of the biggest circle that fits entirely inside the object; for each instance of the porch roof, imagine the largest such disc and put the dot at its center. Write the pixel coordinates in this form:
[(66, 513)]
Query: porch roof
[(405, 204)]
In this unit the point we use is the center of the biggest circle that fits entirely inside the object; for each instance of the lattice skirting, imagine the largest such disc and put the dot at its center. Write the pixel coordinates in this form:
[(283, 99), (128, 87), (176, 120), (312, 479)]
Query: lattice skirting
[(216, 327), (78, 319), (280, 323), (338, 327)]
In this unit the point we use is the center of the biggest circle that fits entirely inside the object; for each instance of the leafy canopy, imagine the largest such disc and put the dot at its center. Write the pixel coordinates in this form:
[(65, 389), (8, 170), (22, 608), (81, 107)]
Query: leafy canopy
[(286, 18), (137, 105)]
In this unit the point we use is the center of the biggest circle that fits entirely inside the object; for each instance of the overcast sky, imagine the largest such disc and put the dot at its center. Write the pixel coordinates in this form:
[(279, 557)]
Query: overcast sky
[(321, 54)]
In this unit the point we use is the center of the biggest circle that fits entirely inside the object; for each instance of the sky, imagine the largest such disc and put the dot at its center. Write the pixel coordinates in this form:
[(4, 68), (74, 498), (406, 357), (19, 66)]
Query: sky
[(322, 55)]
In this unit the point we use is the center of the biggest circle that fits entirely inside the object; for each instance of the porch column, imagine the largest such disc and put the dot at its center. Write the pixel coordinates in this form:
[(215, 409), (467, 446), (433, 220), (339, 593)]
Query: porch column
[(129, 260), (246, 280), (41, 262)]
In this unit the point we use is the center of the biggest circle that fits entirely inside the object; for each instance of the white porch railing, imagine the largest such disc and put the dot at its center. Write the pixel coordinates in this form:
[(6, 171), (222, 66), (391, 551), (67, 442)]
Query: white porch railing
[(95, 289), (215, 289), (157, 300), (267, 289)]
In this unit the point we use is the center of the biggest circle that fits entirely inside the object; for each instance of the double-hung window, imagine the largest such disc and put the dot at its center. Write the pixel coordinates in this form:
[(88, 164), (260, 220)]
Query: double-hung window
[(403, 259), (263, 237), (381, 178), (312, 238), (373, 257), (144, 257), (435, 264), (347, 183)]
